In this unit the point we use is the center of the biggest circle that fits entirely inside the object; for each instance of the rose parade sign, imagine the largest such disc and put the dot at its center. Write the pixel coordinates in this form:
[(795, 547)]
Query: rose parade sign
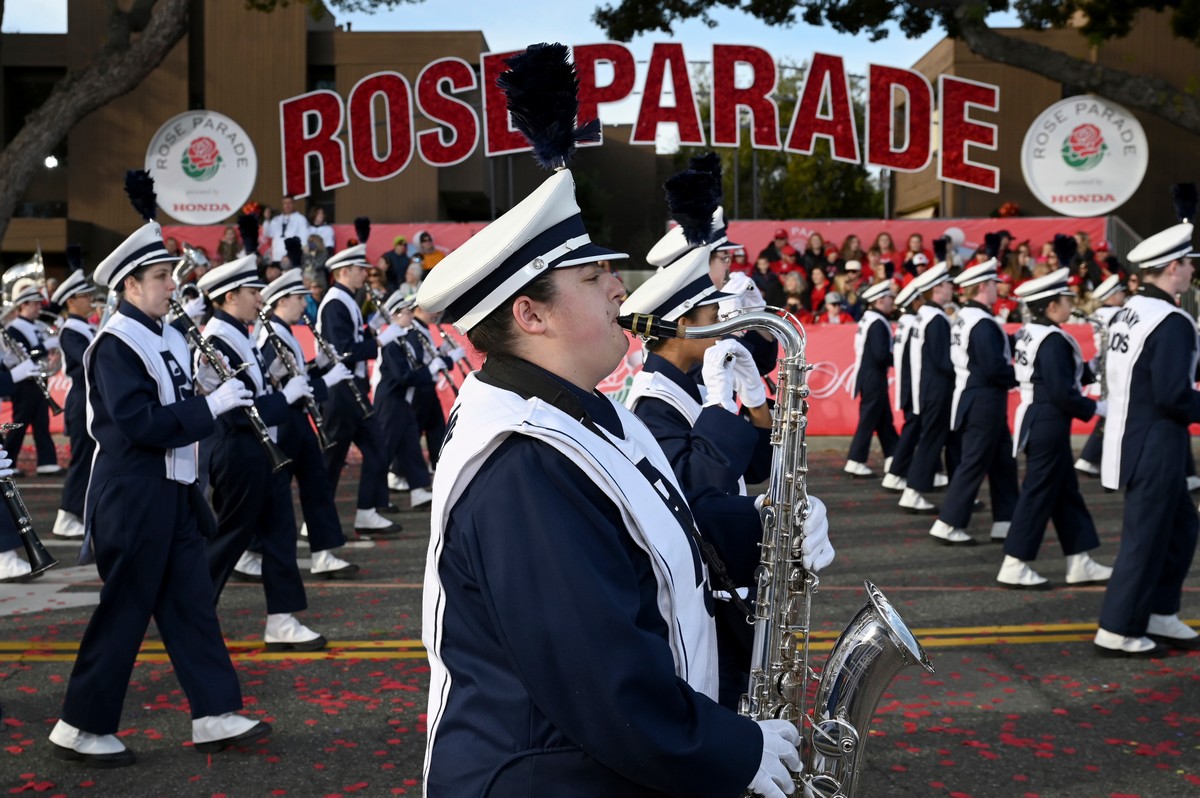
[(1084, 156), (204, 167)]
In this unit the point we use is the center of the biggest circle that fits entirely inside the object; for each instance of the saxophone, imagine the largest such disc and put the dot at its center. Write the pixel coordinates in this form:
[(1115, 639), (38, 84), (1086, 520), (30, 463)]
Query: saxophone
[(871, 650)]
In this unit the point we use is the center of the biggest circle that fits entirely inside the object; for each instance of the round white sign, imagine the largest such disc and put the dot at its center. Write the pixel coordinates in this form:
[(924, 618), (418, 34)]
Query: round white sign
[(204, 167), (1084, 156)]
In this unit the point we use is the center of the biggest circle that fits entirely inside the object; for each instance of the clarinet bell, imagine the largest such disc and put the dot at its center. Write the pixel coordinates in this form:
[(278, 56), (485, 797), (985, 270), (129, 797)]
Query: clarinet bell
[(40, 560)]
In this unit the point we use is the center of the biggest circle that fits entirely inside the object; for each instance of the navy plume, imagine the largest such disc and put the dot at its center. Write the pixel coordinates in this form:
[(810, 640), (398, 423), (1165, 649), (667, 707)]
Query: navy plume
[(991, 244), (295, 252), (939, 249), (542, 88), (139, 185), (74, 258), (248, 229), (1184, 197), (1065, 247), (692, 196), (362, 229)]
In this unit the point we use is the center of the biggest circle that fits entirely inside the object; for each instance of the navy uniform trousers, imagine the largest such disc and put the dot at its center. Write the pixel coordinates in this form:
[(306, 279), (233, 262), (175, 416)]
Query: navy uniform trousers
[(1093, 447), (402, 433), (30, 409), (345, 424), (75, 420), (985, 446), (9, 538), (874, 409), (937, 387), (426, 405)]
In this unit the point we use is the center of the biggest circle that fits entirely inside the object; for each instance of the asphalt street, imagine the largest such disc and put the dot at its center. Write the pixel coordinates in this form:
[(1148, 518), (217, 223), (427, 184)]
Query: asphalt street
[(1018, 706)]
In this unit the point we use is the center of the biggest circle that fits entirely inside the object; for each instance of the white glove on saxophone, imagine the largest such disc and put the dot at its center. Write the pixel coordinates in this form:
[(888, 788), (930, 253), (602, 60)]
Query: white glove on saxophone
[(718, 375), (779, 756), (1101, 405), (436, 367), (6, 469), (816, 552), (388, 334), (297, 388), (24, 370), (339, 373), (746, 381), (227, 396)]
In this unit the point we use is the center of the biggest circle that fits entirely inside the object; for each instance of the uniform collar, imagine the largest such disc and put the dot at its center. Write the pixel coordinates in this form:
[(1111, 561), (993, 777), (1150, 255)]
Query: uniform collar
[(1154, 292), (127, 308), (228, 319), (656, 363)]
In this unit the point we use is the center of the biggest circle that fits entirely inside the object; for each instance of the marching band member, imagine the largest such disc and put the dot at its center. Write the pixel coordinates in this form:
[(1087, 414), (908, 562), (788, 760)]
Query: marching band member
[(872, 359), (400, 375), (75, 296), (250, 498), (534, 450), (340, 321), (13, 567), (979, 349), (30, 407), (1111, 296), (426, 404), (1050, 370), (908, 301), (145, 517), (285, 297), (932, 378), (1150, 367)]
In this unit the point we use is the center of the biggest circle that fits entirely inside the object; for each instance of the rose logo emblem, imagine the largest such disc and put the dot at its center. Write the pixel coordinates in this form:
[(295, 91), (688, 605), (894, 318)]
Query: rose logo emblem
[(1084, 148), (202, 159)]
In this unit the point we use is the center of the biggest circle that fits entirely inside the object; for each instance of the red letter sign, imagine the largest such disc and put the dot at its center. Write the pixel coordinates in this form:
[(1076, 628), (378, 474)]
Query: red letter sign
[(957, 96), (587, 56), (324, 110), (684, 113), (914, 151), (364, 147), (825, 82), (727, 98), (454, 143), (499, 138)]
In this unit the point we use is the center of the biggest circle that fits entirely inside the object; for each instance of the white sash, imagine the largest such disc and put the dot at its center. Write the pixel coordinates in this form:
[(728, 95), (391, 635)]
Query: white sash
[(869, 317), (347, 299), (960, 339), (658, 386), (904, 328), (83, 328), (1029, 343), (240, 343), (927, 313)]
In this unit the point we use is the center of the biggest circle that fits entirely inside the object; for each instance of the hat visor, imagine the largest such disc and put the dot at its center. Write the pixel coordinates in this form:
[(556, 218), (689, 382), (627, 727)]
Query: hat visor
[(715, 296), (588, 253), (729, 246)]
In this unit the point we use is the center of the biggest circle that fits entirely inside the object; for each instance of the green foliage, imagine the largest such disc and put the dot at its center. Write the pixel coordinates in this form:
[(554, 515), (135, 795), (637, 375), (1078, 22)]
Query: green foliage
[(317, 8)]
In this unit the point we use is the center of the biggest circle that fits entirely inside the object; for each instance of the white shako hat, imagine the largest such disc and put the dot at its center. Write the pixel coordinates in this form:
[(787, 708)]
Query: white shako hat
[(673, 291), (227, 277), (75, 284), (545, 230), (398, 301), (290, 283), (145, 246), (1109, 286), (979, 273), (1161, 248), (1044, 287), (907, 294), (674, 245), (877, 291), (931, 277), (27, 290), (350, 256)]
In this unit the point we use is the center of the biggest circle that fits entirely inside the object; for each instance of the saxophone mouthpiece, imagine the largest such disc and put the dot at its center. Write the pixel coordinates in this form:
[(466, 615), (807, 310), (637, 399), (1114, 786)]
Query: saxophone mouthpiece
[(646, 326)]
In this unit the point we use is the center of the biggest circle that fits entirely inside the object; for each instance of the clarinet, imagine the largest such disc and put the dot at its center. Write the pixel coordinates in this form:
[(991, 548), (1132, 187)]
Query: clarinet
[(225, 374), (288, 358), (39, 559), (17, 348), (331, 353), (463, 368)]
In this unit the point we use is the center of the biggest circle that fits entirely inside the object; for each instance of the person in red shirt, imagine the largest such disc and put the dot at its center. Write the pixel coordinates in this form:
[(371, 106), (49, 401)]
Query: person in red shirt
[(834, 313), (1005, 308), (820, 286), (789, 262), (916, 246)]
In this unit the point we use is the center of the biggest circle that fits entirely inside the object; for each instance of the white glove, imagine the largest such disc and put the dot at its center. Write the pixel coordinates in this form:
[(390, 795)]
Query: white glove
[(194, 307), (746, 381), (376, 321), (6, 469), (718, 376), (745, 295), (779, 756), (436, 366), (454, 353), (1101, 406), (322, 360), (816, 552), (339, 373), (278, 370), (388, 334), (297, 388), (51, 343), (227, 396), (24, 370)]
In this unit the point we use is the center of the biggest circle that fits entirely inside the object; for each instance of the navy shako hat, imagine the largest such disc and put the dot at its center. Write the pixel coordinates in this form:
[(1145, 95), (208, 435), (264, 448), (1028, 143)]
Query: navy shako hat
[(1045, 287), (545, 230), (227, 277), (1160, 249), (877, 291), (979, 273), (674, 290), (290, 283), (399, 301), (1109, 286), (75, 284)]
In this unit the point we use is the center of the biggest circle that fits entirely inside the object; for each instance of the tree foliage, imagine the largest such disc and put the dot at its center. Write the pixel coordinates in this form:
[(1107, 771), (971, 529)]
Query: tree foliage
[(318, 8)]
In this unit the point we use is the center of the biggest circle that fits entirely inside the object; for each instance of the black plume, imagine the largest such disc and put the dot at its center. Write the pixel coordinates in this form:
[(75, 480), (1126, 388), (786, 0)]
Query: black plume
[(542, 88), (1184, 197), (74, 258), (709, 162), (139, 185), (939, 249), (248, 228), (362, 229), (295, 252), (1065, 247), (692, 196), (991, 244)]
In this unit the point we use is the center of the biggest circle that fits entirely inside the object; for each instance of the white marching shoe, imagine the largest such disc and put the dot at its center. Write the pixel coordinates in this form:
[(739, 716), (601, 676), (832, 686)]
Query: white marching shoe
[(370, 520), (215, 733), (1083, 570), (419, 496), (51, 469), (1193, 483), (887, 464), (1087, 467), (893, 482), (1019, 575), (940, 480), (999, 531), (328, 565), (914, 502), (67, 525), (304, 530), (248, 567), (94, 750), (285, 633), (857, 469), (1111, 644), (1172, 632), (397, 482), (950, 536), (13, 568)]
